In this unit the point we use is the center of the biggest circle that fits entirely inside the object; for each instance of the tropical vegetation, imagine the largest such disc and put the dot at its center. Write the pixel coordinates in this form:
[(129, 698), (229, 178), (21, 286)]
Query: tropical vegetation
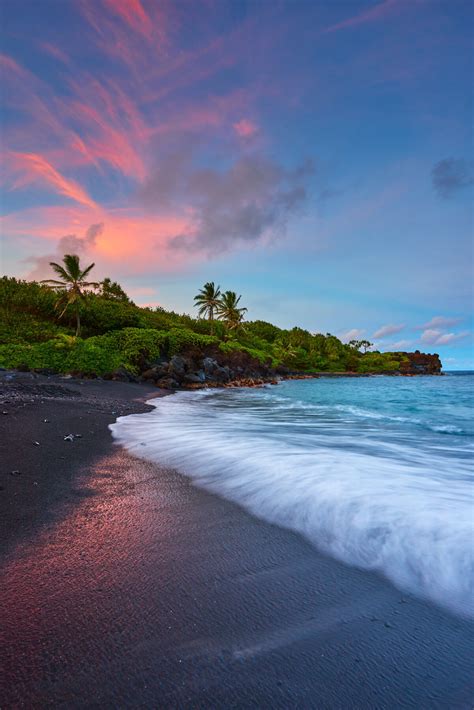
[(71, 286), (73, 325)]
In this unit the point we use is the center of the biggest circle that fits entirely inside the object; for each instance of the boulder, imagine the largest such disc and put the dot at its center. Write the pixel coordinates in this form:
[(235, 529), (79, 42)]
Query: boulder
[(178, 367), (156, 372), (222, 374), (167, 383), (192, 379), (209, 365), (123, 375)]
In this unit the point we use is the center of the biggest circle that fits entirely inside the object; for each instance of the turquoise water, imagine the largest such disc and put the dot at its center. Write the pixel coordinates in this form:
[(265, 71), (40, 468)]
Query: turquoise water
[(374, 471)]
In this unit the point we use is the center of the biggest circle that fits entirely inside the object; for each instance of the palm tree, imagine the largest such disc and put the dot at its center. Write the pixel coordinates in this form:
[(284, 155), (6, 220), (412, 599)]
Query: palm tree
[(71, 286), (230, 311), (208, 301)]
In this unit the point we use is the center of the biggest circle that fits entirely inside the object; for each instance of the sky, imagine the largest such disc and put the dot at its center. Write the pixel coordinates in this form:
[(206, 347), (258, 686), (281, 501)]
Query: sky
[(316, 157)]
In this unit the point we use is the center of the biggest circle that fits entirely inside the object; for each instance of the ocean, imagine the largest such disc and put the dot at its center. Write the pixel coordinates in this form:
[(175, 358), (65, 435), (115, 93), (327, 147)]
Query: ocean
[(376, 472)]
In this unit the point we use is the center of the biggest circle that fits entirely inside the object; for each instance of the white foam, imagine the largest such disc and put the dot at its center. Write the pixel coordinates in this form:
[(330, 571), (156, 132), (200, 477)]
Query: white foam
[(391, 507)]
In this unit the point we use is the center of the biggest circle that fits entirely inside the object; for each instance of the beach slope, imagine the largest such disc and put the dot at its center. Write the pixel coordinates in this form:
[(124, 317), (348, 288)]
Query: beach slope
[(125, 586)]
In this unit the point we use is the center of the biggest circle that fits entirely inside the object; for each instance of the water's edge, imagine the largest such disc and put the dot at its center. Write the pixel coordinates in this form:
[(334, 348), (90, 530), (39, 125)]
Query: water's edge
[(256, 453)]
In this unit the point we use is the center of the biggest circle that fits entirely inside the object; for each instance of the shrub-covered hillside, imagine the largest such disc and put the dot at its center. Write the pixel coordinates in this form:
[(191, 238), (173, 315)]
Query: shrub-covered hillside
[(118, 334)]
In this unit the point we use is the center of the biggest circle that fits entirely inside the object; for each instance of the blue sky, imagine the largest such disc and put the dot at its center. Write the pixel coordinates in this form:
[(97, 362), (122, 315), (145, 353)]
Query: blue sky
[(314, 156)]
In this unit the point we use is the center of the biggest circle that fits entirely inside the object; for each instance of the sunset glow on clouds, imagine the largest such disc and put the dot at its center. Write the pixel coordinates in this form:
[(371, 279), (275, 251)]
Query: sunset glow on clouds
[(314, 156)]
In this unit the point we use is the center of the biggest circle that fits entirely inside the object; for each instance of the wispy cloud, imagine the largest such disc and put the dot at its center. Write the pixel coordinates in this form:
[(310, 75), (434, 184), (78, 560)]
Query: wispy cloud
[(432, 336), (398, 345), (353, 334), (386, 330), (32, 167), (439, 322), (375, 13), (132, 12)]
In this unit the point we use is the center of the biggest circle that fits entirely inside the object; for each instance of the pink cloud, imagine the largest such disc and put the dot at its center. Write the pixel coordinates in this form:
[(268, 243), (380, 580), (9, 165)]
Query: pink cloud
[(130, 241), (378, 12), (132, 12), (245, 128), (32, 167), (54, 52)]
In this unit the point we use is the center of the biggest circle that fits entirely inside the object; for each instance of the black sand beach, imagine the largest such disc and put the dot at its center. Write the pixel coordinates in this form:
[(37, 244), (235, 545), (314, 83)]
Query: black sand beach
[(125, 586)]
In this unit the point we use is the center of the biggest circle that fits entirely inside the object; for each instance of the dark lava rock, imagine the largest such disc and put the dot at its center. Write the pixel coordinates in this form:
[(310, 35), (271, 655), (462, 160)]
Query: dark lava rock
[(191, 379), (123, 375), (167, 383), (156, 372), (178, 367)]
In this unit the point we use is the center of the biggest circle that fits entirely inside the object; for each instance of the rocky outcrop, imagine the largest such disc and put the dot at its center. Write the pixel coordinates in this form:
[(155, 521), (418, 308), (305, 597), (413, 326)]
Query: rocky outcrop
[(212, 368), (420, 364), (196, 369)]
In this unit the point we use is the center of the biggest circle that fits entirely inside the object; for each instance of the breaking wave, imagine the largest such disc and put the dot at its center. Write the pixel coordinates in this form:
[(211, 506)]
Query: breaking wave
[(379, 490)]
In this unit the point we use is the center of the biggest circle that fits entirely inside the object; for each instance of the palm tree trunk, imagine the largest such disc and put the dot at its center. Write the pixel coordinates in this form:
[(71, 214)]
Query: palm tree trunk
[(211, 318), (78, 323)]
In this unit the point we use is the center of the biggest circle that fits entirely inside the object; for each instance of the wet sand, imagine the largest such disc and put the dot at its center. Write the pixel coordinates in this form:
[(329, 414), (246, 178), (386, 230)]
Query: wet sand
[(125, 586)]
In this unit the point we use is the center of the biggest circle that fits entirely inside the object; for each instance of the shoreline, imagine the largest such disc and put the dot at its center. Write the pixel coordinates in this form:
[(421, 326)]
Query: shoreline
[(127, 585)]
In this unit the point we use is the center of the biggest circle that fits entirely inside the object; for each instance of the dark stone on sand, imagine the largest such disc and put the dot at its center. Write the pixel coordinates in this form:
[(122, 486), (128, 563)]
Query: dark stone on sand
[(167, 383)]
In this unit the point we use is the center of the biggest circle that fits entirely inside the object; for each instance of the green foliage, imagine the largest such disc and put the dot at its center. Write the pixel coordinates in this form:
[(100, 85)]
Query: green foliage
[(379, 362), (112, 291), (231, 346), (116, 333), (22, 327), (263, 330), (183, 339)]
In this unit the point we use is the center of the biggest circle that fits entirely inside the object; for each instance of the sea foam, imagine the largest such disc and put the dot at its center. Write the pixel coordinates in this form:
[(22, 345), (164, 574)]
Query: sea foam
[(377, 492)]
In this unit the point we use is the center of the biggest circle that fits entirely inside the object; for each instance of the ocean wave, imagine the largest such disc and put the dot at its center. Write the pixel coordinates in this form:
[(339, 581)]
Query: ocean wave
[(406, 513)]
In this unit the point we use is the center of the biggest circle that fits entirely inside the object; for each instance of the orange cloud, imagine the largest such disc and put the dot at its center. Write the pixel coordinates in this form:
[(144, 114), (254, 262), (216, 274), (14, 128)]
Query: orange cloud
[(130, 242), (33, 167)]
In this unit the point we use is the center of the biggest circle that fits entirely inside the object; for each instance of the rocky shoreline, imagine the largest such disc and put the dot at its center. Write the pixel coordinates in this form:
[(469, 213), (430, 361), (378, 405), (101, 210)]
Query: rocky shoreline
[(197, 370)]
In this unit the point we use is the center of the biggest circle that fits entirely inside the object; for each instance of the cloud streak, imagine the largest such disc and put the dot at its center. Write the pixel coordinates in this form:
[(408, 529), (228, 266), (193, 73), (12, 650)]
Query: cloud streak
[(439, 322), (32, 167), (378, 12), (387, 330), (432, 336)]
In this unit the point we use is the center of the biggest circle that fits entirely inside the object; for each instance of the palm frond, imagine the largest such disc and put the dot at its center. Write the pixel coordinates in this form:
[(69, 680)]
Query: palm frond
[(86, 271), (52, 282), (73, 268), (61, 271)]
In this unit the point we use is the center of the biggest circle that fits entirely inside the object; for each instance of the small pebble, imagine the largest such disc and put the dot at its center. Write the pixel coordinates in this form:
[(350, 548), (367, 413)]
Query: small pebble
[(36, 443), (15, 473)]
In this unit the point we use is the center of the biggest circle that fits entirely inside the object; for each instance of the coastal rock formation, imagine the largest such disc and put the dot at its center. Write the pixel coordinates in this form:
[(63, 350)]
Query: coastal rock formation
[(420, 364), (211, 368), (198, 368)]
